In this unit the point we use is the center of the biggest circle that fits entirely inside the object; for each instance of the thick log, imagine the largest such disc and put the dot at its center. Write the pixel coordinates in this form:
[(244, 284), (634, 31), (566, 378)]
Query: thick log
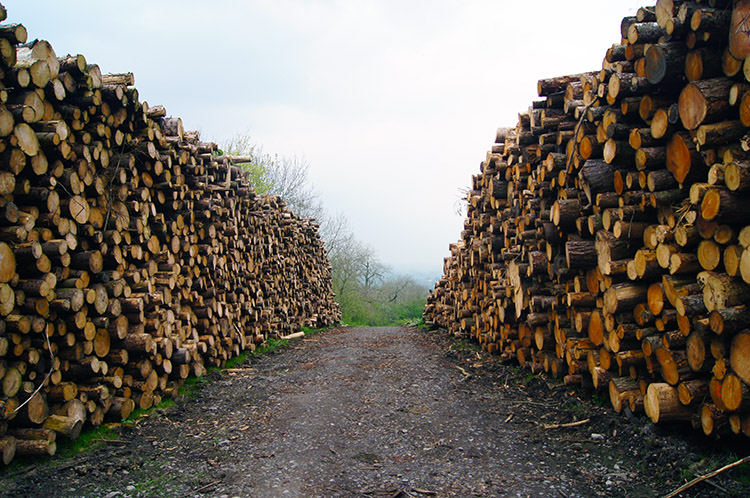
[(609, 249), (624, 297), (713, 419), (7, 448), (703, 63), (621, 389), (580, 253), (34, 447), (729, 320), (739, 356), (719, 133), (737, 176), (662, 404), (722, 291), (704, 101), (68, 427), (739, 32), (722, 205), (664, 61), (735, 393), (682, 155), (693, 392)]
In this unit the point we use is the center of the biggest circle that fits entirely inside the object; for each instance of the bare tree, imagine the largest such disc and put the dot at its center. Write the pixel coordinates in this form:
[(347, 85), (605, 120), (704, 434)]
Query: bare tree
[(334, 230), (346, 260), (288, 177), (280, 175), (372, 269)]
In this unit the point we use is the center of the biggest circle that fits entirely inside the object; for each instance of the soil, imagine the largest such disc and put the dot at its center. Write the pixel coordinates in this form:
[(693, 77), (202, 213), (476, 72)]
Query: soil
[(387, 412)]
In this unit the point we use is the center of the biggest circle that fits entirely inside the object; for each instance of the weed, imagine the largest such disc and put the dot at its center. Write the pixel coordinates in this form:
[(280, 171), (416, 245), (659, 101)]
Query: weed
[(412, 322), (270, 346), (742, 473), (529, 378), (579, 410), (237, 360), (686, 475), (153, 487), (309, 331), (88, 440), (464, 345), (601, 400)]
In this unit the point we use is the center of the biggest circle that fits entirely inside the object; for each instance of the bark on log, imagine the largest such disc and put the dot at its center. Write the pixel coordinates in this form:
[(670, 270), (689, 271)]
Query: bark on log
[(704, 101)]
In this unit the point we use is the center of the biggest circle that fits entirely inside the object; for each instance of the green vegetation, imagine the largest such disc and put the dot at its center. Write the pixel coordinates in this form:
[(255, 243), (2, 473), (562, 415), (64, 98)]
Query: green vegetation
[(394, 301), (92, 438), (711, 462), (153, 487), (310, 332), (464, 345), (274, 174), (601, 399), (577, 408), (270, 346), (742, 473)]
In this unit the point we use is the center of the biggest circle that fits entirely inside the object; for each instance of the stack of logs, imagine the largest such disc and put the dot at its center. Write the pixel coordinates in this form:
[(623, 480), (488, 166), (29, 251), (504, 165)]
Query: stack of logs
[(607, 240), (132, 255)]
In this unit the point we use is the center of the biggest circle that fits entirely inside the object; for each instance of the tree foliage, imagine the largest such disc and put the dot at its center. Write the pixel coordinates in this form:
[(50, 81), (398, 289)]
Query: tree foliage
[(367, 291)]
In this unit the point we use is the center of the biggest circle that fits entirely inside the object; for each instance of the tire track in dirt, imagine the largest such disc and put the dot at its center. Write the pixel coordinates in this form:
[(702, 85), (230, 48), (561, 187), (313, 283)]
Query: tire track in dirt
[(386, 414)]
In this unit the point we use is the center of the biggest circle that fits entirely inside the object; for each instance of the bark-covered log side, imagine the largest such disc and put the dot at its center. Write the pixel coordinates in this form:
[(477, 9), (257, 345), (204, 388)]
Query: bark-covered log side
[(132, 255), (640, 212)]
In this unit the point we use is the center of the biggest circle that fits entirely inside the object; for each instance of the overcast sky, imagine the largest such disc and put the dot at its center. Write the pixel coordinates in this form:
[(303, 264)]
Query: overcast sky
[(393, 103)]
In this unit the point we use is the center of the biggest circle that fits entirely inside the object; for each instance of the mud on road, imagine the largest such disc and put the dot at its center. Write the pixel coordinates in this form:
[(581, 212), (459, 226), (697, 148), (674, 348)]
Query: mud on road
[(386, 412)]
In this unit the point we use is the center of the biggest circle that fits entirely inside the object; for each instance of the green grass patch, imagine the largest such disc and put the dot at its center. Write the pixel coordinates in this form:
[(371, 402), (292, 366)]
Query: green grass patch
[(709, 463), (90, 439), (270, 346), (464, 345), (153, 487), (601, 400), (310, 331), (237, 360), (741, 473)]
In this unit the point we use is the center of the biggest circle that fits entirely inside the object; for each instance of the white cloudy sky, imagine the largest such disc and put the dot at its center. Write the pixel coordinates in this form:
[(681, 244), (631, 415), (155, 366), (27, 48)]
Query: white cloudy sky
[(394, 103)]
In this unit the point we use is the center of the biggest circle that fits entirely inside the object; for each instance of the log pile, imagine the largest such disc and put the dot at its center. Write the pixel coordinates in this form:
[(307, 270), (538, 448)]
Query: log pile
[(132, 255), (607, 238)]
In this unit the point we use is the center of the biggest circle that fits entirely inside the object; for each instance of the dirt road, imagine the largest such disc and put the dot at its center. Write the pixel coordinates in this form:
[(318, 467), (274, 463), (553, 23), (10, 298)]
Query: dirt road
[(375, 412)]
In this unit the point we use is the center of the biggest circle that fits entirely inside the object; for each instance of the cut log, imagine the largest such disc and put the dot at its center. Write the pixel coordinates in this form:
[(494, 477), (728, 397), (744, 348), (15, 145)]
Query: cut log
[(739, 32), (704, 101), (739, 356), (662, 404), (68, 427), (7, 448), (682, 155), (735, 393)]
